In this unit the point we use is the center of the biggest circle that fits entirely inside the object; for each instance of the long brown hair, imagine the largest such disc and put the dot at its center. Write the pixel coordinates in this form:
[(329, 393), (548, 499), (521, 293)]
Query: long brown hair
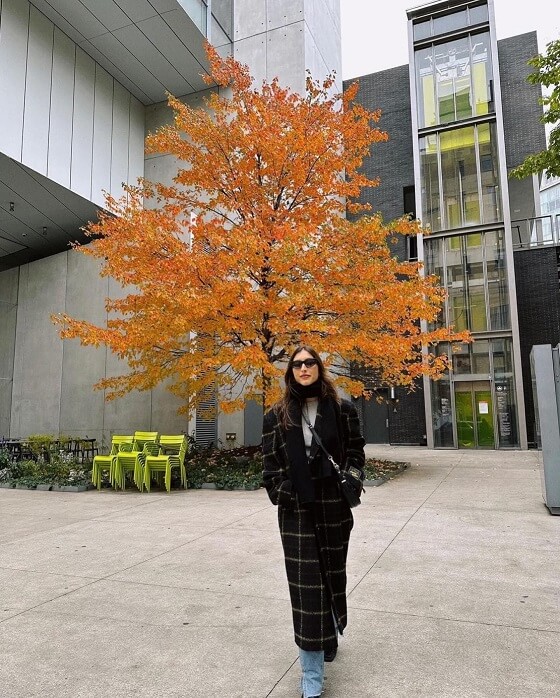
[(328, 389)]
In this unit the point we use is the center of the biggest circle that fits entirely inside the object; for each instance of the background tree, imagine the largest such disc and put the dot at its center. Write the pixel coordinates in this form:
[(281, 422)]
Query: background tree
[(547, 74), (271, 262)]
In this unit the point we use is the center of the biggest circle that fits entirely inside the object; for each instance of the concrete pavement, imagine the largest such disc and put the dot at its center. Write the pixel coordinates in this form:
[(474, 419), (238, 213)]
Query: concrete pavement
[(453, 579)]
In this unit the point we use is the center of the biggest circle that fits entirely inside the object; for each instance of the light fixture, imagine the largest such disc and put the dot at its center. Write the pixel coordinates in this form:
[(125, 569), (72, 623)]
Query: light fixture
[(44, 230), (12, 206)]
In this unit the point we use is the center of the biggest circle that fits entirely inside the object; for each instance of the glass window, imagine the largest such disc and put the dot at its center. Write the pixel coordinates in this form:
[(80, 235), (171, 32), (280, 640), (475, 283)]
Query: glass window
[(431, 214), (453, 81), (498, 302), (476, 298), (422, 30), (482, 74), (504, 387), (433, 250), (468, 170), (456, 286), (442, 414), (447, 23), (425, 87), (465, 283), (472, 270), (460, 178), (478, 14), (472, 358), (197, 11), (489, 175)]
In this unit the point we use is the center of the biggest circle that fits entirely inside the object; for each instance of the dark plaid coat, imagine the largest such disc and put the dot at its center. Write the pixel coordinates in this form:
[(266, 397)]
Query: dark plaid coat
[(315, 538)]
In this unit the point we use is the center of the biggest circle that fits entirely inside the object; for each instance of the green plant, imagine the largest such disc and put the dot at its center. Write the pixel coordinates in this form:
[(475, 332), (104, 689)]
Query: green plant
[(226, 468), (376, 468), (40, 443)]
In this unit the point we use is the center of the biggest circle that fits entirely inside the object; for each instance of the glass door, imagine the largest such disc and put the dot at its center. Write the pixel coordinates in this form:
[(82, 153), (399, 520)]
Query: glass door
[(475, 414)]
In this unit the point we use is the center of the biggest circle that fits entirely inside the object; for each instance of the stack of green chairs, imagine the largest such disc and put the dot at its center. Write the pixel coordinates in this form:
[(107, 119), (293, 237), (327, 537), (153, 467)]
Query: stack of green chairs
[(107, 462), (143, 444), (173, 450)]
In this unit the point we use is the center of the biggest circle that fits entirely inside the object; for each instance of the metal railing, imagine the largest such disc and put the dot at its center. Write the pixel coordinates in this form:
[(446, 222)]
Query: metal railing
[(540, 231)]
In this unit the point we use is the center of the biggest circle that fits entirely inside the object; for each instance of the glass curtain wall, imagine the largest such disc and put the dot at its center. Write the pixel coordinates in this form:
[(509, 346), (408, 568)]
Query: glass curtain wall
[(454, 80), (473, 406), (472, 270), (460, 178)]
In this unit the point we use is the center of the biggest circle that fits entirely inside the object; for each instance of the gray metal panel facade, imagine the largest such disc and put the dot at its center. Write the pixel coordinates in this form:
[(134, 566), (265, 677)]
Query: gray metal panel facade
[(47, 120), (37, 91), (62, 109), (13, 53)]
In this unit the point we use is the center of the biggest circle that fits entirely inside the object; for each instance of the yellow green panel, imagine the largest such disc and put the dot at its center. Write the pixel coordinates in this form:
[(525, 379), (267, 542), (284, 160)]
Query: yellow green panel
[(465, 419), (429, 100), (484, 419), (459, 138), (480, 82)]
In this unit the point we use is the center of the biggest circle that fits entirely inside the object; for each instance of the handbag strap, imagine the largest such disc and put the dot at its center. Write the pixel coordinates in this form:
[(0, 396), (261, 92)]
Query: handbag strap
[(321, 445)]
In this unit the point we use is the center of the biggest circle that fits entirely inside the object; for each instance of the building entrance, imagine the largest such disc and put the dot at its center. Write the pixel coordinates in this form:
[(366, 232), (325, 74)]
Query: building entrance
[(475, 414), (374, 418)]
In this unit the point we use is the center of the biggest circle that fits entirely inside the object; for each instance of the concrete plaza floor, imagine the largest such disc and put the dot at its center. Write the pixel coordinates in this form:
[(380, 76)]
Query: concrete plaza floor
[(453, 580)]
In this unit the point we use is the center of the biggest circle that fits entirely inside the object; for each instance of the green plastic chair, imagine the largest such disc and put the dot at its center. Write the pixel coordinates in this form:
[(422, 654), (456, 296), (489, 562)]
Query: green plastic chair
[(106, 463), (173, 450)]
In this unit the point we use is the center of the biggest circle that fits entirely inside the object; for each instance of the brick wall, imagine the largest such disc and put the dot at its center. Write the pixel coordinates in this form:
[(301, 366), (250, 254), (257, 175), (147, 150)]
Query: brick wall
[(538, 305), (524, 133), (392, 161)]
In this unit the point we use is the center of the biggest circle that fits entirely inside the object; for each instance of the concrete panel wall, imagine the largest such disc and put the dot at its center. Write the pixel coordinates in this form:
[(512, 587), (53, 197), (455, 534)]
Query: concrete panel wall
[(284, 38), (8, 321), (48, 88), (38, 351), (48, 387), (323, 44)]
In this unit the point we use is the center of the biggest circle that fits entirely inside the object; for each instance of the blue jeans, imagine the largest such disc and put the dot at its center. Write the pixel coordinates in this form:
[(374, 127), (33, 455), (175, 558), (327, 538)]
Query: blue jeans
[(313, 672)]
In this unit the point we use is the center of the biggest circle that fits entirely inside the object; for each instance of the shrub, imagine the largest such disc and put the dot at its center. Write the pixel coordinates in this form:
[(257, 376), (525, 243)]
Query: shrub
[(226, 468)]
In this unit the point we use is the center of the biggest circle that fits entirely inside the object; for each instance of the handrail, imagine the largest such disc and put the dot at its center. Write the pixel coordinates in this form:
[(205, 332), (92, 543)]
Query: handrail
[(538, 231)]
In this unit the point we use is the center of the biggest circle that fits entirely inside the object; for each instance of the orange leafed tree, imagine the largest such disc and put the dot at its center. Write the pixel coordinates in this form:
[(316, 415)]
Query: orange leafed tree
[(269, 262)]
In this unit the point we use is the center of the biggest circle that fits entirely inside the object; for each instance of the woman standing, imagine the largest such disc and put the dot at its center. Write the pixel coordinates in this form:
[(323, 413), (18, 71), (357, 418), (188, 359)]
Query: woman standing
[(315, 520)]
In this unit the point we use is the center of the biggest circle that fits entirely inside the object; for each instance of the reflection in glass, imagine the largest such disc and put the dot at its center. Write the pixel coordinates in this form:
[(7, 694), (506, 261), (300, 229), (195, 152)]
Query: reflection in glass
[(472, 270), (482, 74), (460, 178), (478, 14), (422, 30), (453, 82), (498, 304), (442, 413), (433, 259), (447, 23), (505, 393), (424, 61), (489, 176), (431, 215), (472, 358), (468, 169), (197, 11)]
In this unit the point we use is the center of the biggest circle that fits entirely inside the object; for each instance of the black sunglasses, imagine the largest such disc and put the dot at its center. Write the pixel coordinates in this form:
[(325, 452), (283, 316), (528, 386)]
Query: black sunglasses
[(308, 363)]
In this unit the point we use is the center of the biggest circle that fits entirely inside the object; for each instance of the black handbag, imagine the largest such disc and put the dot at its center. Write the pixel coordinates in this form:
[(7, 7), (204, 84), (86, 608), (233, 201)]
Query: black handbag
[(350, 481)]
